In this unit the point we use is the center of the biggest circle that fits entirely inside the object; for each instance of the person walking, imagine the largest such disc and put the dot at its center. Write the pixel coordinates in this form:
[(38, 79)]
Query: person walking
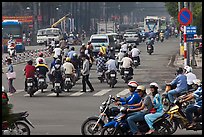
[(85, 74), (10, 81)]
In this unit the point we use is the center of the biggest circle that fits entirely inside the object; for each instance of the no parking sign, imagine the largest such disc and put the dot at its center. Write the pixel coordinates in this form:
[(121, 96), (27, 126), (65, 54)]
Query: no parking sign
[(185, 17)]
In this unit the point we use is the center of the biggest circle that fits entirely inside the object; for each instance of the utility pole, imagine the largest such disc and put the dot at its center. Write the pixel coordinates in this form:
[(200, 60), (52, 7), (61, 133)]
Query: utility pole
[(179, 8), (35, 13)]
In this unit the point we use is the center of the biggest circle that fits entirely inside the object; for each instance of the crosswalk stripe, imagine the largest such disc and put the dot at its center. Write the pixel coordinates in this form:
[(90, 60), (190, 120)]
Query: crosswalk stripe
[(37, 92), (124, 92), (102, 92), (77, 93)]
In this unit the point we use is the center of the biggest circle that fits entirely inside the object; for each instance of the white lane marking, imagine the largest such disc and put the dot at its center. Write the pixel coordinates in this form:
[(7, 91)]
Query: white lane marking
[(77, 93), (62, 94), (37, 92), (124, 92), (102, 92)]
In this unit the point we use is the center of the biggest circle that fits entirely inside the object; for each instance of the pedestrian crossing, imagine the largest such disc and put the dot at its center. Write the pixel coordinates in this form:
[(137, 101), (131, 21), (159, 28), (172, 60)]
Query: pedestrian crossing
[(47, 92)]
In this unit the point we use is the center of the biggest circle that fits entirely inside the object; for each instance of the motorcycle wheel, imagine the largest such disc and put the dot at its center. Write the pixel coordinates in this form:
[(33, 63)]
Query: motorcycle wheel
[(57, 94), (174, 126), (163, 128), (118, 132), (88, 124), (108, 131), (21, 128), (150, 53), (166, 104)]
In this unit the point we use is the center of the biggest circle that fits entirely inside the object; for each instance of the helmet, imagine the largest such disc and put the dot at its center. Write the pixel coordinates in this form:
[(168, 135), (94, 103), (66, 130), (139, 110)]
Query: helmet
[(179, 70), (133, 84), (154, 85), (197, 82), (30, 62), (188, 69), (74, 54), (83, 44), (141, 87), (68, 59), (40, 54), (40, 60), (55, 56), (57, 61), (57, 45), (89, 42)]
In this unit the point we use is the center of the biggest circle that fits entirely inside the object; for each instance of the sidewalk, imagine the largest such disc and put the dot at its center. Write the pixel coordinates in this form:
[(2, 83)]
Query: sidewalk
[(179, 61)]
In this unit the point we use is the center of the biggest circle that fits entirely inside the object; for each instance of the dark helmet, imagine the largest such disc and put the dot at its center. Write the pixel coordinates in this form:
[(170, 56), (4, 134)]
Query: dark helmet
[(179, 70), (135, 46), (89, 42), (30, 62), (72, 48), (57, 61)]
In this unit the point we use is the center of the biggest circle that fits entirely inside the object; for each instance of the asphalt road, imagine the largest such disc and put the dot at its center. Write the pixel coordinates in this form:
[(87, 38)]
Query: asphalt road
[(64, 115)]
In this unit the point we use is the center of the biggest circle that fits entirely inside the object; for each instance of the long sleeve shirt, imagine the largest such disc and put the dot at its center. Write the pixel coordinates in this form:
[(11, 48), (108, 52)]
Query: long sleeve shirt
[(85, 68), (181, 83)]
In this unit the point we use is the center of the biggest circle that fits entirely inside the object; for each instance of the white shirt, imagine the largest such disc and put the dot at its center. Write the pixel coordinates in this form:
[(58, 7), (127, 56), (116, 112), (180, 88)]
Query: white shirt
[(111, 64), (120, 56), (53, 43), (124, 47), (126, 62), (38, 58), (57, 51), (135, 52), (68, 68), (190, 77)]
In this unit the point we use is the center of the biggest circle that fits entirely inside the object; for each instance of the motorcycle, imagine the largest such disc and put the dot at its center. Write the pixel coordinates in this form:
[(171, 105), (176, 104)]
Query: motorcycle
[(101, 76), (177, 118), (112, 80), (68, 84), (93, 125), (161, 37), (126, 77), (18, 124), (135, 61), (119, 125), (157, 38), (176, 35), (11, 50), (42, 83), (31, 89), (165, 100), (57, 87), (150, 49)]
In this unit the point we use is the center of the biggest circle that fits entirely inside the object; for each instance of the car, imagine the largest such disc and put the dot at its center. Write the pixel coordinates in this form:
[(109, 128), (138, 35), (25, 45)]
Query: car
[(132, 36)]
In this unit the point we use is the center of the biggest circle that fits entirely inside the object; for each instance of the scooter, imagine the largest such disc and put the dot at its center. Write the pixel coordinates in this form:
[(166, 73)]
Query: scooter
[(126, 77), (150, 49), (57, 87), (42, 83), (101, 76), (68, 84), (135, 61), (31, 89), (112, 80)]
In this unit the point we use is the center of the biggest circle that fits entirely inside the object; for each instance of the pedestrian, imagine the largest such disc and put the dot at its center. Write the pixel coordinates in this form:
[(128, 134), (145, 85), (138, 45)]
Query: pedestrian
[(85, 74), (10, 81)]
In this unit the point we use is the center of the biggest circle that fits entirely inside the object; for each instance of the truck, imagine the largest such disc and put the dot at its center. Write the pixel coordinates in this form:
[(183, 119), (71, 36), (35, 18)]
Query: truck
[(106, 27)]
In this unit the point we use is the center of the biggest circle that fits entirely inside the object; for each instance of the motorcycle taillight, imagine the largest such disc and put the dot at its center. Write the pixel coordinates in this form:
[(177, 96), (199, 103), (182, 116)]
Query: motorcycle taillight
[(4, 125)]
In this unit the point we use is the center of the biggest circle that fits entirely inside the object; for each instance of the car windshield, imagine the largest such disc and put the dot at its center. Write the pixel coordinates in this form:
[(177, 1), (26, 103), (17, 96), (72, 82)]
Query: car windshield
[(98, 40)]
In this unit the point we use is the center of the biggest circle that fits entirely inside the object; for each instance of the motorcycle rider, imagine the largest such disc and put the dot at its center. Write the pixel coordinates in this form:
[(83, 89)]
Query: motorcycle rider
[(41, 69), (190, 76), (100, 63), (11, 44), (68, 69), (71, 52), (110, 65), (57, 73), (135, 52), (127, 64), (40, 56), (119, 57), (195, 108), (58, 52), (133, 98), (144, 107), (76, 61), (124, 47), (157, 107), (66, 50), (181, 84), (30, 73)]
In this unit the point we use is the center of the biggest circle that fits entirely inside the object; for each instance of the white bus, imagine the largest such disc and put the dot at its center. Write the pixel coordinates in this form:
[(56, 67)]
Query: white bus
[(151, 23)]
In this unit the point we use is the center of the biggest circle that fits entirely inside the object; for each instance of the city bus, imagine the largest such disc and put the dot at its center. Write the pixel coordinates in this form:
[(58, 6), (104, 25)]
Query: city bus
[(151, 23), (14, 28)]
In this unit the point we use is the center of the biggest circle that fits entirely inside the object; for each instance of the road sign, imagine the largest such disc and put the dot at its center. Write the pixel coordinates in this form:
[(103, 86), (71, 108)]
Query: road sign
[(185, 16), (191, 30), (190, 38)]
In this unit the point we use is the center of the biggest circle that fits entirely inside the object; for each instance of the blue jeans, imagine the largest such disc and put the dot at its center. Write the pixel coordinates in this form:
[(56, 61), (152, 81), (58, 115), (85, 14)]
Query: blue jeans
[(133, 118), (189, 111), (171, 94)]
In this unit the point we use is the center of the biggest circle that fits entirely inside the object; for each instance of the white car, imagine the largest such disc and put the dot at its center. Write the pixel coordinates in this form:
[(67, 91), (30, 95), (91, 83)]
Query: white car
[(132, 37)]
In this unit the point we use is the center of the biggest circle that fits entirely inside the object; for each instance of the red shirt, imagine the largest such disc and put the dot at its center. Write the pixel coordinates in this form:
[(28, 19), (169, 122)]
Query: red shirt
[(29, 71)]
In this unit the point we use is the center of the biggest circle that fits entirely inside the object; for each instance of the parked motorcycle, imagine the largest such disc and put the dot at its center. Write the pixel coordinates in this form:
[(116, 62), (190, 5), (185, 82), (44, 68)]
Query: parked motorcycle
[(178, 119), (119, 125), (126, 77), (68, 83), (18, 124), (93, 125), (112, 80), (31, 89)]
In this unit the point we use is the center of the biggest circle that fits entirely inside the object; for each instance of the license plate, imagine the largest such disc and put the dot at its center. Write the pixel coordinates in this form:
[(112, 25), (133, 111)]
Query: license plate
[(57, 84), (41, 80), (29, 84), (67, 79), (112, 75), (149, 48), (99, 73), (135, 61), (126, 72)]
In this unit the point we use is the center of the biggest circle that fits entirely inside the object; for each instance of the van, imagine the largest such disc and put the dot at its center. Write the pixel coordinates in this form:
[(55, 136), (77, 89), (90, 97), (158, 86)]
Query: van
[(97, 40), (53, 33), (41, 37)]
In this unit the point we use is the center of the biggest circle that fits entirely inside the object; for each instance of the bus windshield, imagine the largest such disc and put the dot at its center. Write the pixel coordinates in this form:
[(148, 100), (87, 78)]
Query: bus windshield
[(10, 29)]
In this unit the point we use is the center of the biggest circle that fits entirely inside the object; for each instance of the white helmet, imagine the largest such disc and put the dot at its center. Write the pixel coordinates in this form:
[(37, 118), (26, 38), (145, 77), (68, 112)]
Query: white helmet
[(154, 85), (197, 82), (188, 69), (133, 84)]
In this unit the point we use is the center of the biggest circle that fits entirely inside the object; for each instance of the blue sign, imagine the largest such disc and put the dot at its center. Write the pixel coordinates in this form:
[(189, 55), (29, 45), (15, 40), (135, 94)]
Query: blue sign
[(189, 37), (191, 30), (185, 17)]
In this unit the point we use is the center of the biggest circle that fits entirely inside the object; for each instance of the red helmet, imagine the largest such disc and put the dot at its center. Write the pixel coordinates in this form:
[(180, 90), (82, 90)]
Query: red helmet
[(40, 54)]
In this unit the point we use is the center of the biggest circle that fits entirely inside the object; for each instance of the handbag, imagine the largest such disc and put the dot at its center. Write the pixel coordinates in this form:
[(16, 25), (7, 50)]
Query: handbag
[(11, 75), (153, 110)]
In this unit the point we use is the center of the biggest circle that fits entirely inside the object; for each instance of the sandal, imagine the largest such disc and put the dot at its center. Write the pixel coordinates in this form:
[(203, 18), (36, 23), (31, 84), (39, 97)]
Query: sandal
[(150, 132)]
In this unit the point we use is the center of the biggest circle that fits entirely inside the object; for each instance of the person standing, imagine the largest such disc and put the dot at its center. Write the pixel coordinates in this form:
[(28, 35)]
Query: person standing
[(10, 81), (85, 74)]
